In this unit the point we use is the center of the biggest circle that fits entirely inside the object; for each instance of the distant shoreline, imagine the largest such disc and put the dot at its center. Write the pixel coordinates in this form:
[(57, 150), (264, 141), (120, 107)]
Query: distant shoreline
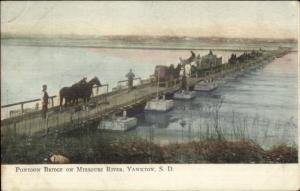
[(126, 47), (138, 47)]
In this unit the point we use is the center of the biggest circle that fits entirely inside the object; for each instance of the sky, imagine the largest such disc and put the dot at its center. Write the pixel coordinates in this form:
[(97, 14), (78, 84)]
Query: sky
[(243, 19)]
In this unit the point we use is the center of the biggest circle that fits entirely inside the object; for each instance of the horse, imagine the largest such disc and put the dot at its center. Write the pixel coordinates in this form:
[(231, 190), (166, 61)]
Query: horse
[(84, 91), (174, 72), (67, 94), (78, 90), (232, 59)]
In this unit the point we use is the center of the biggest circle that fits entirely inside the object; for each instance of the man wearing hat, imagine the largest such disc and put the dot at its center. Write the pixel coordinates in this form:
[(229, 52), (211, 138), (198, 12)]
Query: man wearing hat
[(130, 76), (45, 99)]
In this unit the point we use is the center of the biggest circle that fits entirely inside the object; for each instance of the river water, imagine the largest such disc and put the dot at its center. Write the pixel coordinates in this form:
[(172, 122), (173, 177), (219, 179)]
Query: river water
[(260, 105)]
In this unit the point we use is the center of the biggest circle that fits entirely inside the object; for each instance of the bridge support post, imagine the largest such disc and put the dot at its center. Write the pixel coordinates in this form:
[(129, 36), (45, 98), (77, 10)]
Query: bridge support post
[(22, 108), (15, 129), (106, 93), (52, 101)]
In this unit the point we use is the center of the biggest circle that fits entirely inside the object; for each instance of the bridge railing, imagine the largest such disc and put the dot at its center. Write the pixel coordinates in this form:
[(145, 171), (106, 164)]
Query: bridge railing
[(12, 109), (104, 94), (120, 86), (22, 103), (102, 85), (134, 79)]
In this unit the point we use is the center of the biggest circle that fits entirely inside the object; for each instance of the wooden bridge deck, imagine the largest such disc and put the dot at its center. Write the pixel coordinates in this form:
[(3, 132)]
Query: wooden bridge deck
[(57, 120)]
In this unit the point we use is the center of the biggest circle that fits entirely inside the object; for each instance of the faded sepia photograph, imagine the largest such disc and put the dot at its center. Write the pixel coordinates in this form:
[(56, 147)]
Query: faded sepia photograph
[(149, 82)]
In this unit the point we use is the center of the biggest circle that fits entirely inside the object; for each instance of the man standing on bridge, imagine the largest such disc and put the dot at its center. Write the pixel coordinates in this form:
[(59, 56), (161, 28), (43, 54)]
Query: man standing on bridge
[(45, 99), (130, 76)]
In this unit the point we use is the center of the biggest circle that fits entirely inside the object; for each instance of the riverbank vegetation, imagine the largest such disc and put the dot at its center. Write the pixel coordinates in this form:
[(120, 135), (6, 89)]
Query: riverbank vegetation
[(109, 147)]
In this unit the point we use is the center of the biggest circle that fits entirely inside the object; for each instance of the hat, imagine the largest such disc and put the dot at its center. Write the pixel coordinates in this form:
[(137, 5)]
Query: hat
[(44, 87)]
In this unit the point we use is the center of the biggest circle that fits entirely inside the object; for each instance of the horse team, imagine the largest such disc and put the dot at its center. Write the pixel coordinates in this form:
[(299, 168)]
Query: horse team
[(80, 90)]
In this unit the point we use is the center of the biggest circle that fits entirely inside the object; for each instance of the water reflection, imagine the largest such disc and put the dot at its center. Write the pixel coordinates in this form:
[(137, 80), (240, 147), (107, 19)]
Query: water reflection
[(159, 119)]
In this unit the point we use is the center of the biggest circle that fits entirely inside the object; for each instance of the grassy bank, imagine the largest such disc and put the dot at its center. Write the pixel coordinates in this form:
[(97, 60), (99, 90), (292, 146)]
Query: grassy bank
[(109, 148)]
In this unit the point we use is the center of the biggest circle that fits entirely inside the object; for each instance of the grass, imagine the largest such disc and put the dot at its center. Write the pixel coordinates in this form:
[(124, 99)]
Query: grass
[(115, 148)]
